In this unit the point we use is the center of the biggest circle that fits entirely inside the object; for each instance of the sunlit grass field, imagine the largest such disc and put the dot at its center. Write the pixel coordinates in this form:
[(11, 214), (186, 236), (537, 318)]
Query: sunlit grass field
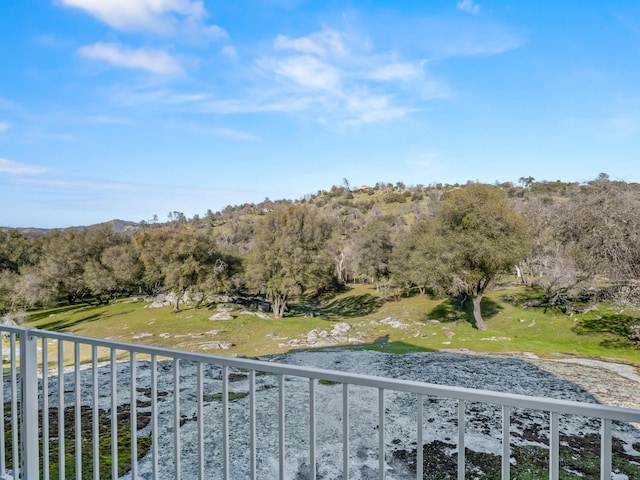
[(430, 324)]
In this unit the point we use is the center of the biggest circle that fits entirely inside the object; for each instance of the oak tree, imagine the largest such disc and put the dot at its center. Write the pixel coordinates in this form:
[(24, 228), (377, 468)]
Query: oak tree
[(289, 255), (483, 237)]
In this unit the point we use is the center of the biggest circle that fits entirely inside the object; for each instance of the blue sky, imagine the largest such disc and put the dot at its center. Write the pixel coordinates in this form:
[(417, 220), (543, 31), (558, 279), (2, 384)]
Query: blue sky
[(130, 108)]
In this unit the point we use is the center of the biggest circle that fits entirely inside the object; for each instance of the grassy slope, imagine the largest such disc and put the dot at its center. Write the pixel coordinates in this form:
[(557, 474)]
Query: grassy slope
[(431, 326)]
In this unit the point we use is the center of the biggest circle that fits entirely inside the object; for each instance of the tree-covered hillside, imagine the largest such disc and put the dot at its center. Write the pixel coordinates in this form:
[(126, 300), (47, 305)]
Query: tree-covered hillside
[(568, 240)]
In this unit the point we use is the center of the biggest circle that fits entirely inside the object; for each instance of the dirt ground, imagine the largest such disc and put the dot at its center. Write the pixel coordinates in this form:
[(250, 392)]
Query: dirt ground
[(610, 383)]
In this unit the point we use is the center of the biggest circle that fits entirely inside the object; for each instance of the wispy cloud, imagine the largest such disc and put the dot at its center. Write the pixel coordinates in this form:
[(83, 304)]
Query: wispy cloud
[(130, 97), (229, 51), (340, 80), (369, 108), (303, 70), (15, 168), (468, 6), (81, 184), (108, 120), (164, 17), (398, 71), (154, 61), (285, 104), (336, 77), (324, 43), (233, 134), (4, 126)]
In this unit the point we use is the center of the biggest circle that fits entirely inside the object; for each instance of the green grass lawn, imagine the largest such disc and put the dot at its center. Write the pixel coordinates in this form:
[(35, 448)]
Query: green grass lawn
[(431, 324)]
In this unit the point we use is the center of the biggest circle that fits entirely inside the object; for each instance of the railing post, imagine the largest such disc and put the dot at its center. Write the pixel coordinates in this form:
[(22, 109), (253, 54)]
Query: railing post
[(30, 468)]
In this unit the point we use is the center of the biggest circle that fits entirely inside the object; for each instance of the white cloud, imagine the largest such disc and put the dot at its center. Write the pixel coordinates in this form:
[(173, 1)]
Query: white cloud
[(475, 41), (370, 108), (401, 71), (304, 70), (468, 6), (233, 134), (338, 80), (163, 17), (15, 168), (153, 15), (4, 126), (319, 43), (289, 104), (229, 51), (155, 61), (214, 31), (123, 95)]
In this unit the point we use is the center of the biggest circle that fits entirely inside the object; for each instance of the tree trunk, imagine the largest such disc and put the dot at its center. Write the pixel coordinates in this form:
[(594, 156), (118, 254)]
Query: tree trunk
[(279, 305), (477, 313), (178, 298)]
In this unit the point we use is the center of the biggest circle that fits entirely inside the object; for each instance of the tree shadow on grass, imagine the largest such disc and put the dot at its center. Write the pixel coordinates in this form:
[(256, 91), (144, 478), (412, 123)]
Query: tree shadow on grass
[(523, 295), (65, 324), (447, 312), (616, 325), (42, 314), (380, 344), (349, 307)]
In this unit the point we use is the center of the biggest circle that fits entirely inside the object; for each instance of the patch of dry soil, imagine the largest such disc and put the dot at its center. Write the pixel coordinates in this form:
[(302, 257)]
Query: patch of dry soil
[(610, 383)]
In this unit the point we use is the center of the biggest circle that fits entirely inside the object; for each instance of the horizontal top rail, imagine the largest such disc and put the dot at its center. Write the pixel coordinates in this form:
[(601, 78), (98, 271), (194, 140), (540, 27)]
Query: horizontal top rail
[(485, 396)]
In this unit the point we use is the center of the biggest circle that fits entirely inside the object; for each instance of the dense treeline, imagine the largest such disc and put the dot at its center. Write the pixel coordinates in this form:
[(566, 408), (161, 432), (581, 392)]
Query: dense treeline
[(439, 239)]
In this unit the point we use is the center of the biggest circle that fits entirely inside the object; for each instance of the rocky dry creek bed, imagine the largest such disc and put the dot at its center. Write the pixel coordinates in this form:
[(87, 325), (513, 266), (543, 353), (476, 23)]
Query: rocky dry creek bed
[(610, 383), (571, 379)]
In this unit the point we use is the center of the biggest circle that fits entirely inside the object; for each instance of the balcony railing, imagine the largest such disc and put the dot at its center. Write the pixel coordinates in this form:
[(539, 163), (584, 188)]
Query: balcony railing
[(78, 407)]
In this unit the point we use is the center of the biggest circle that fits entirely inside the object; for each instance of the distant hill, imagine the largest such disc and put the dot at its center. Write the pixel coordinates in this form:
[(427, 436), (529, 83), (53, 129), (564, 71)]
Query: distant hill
[(117, 226)]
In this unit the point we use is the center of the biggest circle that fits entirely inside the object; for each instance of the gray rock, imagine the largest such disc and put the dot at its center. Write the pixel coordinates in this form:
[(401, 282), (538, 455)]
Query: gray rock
[(394, 322), (224, 315)]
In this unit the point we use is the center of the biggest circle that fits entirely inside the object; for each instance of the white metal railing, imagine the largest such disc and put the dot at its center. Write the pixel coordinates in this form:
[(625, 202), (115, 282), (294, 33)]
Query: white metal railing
[(55, 383)]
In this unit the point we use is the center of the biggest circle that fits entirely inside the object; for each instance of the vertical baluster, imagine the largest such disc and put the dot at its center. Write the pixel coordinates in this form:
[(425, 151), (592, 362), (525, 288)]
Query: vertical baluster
[(312, 428), (554, 447), (461, 421), (252, 424), (420, 439), (154, 416), (95, 414), (45, 409), (3, 446), (281, 424), (176, 417), (381, 463), (114, 415), (133, 418), (506, 442), (78, 410), (605, 449), (61, 434), (345, 431), (29, 412), (225, 422), (15, 425), (200, 423)]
